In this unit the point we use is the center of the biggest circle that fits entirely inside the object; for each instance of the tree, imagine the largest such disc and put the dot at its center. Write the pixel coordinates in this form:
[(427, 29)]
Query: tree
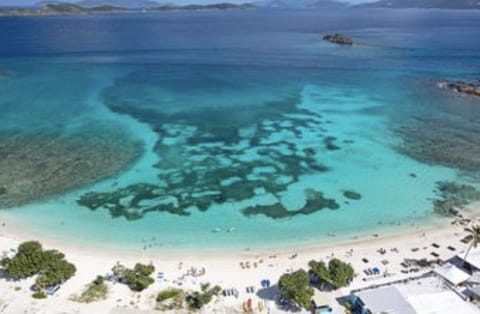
[(473, 238), (341, 273), (319, 269), (26, 262), (338, 273), (296, 287), (50, 265)]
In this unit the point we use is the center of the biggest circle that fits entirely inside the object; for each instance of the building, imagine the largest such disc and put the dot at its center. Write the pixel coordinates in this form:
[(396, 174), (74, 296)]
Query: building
[(381, 300)]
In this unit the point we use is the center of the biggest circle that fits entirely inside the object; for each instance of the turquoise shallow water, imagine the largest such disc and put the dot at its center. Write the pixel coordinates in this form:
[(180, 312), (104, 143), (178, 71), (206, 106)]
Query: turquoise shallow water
[(248, 137)]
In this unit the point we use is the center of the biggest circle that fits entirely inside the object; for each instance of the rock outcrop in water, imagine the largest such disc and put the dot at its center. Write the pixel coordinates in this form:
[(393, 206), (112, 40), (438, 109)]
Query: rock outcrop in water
[(35, 167), (339, 39), (472, 89)]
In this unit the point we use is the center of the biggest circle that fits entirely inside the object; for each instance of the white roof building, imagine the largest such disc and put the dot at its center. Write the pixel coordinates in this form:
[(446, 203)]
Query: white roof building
[(452, 273), (473, 257), (385, 300), (446, 302)]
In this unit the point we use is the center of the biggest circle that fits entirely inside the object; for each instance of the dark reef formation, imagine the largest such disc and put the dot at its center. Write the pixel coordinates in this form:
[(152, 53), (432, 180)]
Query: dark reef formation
[(33, 167), (453, 196), (218, 155), (315, 201), (352, 195)]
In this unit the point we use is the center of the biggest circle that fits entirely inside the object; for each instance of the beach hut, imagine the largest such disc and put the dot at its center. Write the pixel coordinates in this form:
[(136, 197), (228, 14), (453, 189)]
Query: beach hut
[(452, 274)]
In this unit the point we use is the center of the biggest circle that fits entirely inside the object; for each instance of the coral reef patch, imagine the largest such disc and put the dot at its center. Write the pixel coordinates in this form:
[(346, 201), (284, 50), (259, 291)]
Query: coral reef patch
[(453, 143), (216, 155), (453, 196), (34, 167)]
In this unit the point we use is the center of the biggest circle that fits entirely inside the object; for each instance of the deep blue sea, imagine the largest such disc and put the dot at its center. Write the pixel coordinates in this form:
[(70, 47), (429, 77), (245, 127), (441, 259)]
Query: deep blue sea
[(236, 129)]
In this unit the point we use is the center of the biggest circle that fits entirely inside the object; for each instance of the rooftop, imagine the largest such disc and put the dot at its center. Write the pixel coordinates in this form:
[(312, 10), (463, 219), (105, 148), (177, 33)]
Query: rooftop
[(386, 300)]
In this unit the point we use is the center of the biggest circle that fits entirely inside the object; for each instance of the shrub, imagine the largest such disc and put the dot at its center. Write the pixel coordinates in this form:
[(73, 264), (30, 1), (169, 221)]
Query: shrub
[(95, 291), (197, 300), (138, 278), (168, 294), (39, 295)]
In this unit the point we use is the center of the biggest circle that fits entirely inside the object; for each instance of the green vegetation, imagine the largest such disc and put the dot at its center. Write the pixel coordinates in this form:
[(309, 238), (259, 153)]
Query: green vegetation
[(296, 287), (168, 294), (39, 295), (62, 9), (338, 273), (75, 9), (199, 7), (473, 237), (50, 265), (197, 300), (138, 278), (95, 291)]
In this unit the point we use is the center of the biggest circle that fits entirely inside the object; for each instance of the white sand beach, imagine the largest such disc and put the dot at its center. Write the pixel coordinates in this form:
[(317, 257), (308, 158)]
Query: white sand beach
[(227, 270)]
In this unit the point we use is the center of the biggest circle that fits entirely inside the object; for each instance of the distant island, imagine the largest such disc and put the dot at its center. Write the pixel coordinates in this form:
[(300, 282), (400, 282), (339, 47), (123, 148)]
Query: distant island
[(199, 7), (58, 8), (424, 4), (132, 4), (61, 9)]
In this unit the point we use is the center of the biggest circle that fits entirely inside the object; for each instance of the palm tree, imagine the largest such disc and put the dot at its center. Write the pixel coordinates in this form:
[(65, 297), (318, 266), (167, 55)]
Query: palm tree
[(473, 238)]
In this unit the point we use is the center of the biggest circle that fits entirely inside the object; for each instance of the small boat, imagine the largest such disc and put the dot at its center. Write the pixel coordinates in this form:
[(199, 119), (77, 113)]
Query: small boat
[(231, 229), (217, 230)]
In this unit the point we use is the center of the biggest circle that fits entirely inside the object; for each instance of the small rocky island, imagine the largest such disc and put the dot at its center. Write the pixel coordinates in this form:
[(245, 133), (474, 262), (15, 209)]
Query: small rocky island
[(338, 39), (467, 88)]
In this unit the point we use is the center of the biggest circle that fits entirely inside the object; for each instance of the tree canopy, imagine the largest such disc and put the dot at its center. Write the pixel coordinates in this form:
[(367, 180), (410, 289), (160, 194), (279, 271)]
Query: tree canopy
[(338, 273), (30, 259), (296, 287)]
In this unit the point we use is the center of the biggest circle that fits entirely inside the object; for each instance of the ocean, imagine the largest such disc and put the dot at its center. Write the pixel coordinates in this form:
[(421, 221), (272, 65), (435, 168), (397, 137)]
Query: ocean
[(234, 130)]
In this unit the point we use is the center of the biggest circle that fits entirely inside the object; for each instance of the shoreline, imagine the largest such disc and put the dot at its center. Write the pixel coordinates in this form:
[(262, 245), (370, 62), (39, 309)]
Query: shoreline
[(15, 230), (225, 269)]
